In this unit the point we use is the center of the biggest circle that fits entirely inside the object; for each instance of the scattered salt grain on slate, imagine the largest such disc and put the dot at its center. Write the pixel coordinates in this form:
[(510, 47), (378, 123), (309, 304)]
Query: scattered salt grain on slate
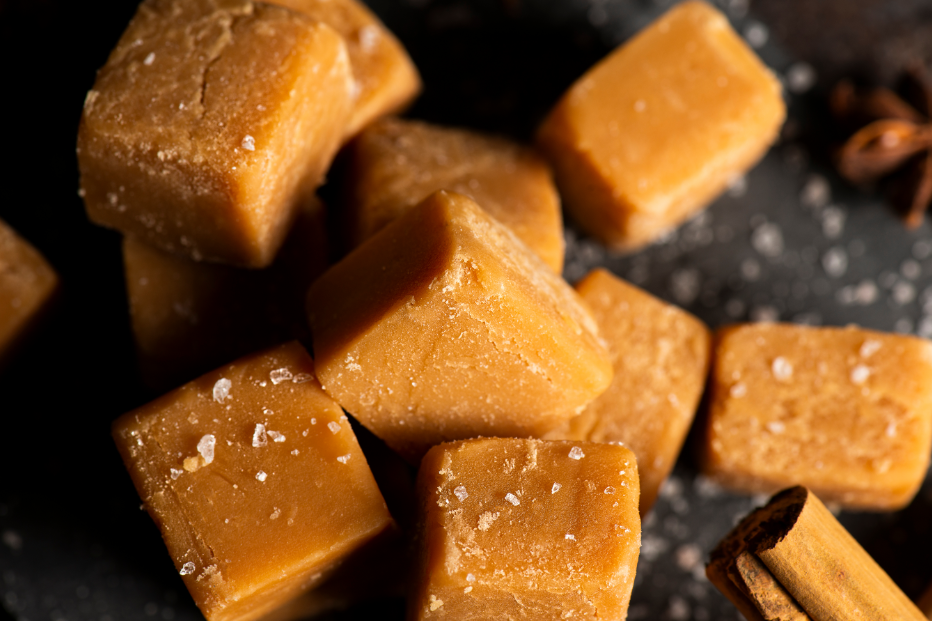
[(688, 556), (767, 239), (835, 261), (259, 437), (280, 375), (461, 493), (556, 488), (576, 453), (756, 34), (737, 186), (187, 568), (685, 285), (800, 78), (512, 499), (222, 389), (833, 222), (249, 143), (782, 369), (261, 476), (206, 447), (12, 540), (903, 293), (333, 426), (343, 458), (765, 314)]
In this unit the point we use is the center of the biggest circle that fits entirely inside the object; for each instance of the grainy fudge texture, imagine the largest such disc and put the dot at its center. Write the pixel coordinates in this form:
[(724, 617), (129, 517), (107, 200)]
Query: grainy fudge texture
[(210, 124), (445, 326), (27, 283), (256, 480), (385, 79), (846, 412), (190, 317), (656, 130), (660, 355), (526, 529), (395, 164)]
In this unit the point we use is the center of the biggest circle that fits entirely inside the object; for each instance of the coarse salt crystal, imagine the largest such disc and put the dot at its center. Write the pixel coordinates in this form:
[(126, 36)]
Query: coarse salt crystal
[(869, 348), (776, 427), (261, 476), (276, 436), (296, 452), (276, 513), (187, 568), (176, 473), (206, 447), (249, 143), (343, 458), (782, 369), (609, 490), (470, 578), (512, 499), (576, 453), (300, 378), (259, 437), (738, 390), (222, 389), (280, 375), (556, 488), (859, 374), (461, 493), (149, 59), (570, 537), (333, 426)]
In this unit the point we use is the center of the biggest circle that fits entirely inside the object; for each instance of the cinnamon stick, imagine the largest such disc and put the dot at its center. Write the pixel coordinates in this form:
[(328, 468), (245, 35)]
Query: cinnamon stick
[(792, 561)]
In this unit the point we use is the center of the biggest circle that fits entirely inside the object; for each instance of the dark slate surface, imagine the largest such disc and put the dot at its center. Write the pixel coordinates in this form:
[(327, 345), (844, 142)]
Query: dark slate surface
[(790, 241)]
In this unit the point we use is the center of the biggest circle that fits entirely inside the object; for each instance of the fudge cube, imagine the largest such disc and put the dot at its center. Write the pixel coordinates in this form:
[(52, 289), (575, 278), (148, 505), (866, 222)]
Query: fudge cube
[(660, 355), (395, 164), (445, 326), (526, 529), (846, 412), (27, 283), (210, 124), (385, 79), (256, 481), (656, 130), (190, 317)]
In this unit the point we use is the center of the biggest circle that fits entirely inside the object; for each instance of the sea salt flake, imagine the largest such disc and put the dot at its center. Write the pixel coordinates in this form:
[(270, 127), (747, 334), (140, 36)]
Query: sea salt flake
[(261, 476), (344, 458), (206, 447), (461, 493), (859, 374), (738, 390), (486, 519), (576, 453), (149, 59), (222, 389), (334, 427), (776, 426), (609, 490), (280, 375), (301, 378), (470, 578), (556, 488), (175, 473), (276, 436), (259, 437), (512, 499), (276, 513), (187, 568), (869, 348), (570, 537), (249, 143), (782, 369)]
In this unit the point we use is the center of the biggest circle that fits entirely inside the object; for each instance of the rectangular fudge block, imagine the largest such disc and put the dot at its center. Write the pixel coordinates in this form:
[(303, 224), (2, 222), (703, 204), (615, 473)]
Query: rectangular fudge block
[(846, 412), (656, 130), (385, 79), (256, 481), (190, 317), (445, 326), (210, 124), (395, 164), (526, 529), (660, 355), (27, 283)]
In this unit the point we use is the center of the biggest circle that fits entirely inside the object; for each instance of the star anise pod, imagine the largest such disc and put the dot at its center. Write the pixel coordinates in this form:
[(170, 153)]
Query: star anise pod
[(894, 141)]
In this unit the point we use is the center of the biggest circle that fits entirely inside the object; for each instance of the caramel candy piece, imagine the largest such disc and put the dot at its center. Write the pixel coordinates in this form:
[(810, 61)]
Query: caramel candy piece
[(190, 317), (846, 412), (211, 122), (445, 326), (660, 355), (656, 130), (396, 164), (526, 529), (386, 80), (256, 481), (27, 283)]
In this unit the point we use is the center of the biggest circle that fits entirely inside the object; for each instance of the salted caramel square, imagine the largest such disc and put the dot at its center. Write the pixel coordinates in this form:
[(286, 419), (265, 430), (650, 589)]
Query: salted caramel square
[(395, 164), (656, 130), (256, 481), (847, 412), (189, 317), (210, 124), (526, 529), (385, 79), (660, 355), (445, 326), (27, 284)]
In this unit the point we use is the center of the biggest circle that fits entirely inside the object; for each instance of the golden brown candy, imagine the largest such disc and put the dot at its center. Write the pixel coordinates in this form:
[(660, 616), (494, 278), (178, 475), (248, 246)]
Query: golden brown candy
[(445, 326), (660, 355), (846, 412), (526, 529), (656, 130), (395, 164), (256, 481), (385, 78), (210, 124), (27, 283)]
